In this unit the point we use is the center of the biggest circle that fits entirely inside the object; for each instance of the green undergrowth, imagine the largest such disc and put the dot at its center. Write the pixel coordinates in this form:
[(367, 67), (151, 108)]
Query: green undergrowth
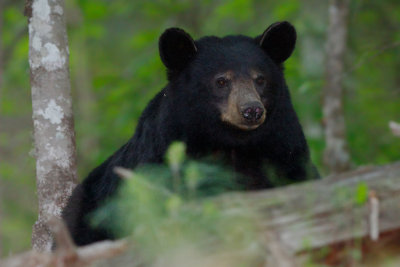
[(172, 221)]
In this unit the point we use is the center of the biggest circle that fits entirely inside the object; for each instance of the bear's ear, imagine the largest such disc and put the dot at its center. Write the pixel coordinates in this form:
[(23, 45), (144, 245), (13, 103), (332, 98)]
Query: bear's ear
[(278, 41), (177, 48)]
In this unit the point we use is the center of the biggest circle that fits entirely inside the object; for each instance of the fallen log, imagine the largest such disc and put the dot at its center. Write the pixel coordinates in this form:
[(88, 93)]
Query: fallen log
[(335, 209)]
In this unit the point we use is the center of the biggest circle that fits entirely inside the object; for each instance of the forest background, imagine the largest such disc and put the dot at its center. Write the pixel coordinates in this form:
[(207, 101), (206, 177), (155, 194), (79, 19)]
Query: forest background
[(116, 70)]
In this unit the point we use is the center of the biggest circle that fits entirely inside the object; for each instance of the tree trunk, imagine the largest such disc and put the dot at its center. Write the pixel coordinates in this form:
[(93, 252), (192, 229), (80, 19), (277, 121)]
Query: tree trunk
[(336, 155), (1, 93), (52, 113), (2, 6)]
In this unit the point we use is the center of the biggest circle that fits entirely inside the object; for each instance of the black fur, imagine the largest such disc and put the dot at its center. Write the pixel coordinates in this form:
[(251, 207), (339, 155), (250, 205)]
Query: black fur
[(278, 41), (187, 110)]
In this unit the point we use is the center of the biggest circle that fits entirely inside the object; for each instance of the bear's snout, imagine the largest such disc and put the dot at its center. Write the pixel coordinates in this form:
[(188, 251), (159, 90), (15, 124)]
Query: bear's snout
[(252, 112), (244, 108)]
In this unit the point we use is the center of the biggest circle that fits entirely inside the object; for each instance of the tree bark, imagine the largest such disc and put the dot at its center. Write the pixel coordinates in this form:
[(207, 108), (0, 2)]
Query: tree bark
[(2, 5), (336, 154), (52, 113), (328, 211)]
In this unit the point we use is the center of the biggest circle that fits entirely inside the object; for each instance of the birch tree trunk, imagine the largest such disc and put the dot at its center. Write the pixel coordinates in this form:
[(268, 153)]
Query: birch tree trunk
[(336, 155), (52, 113)]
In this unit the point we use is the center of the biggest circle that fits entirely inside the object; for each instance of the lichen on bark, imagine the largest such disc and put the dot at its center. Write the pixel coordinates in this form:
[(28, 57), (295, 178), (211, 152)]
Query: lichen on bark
[(52, 113)]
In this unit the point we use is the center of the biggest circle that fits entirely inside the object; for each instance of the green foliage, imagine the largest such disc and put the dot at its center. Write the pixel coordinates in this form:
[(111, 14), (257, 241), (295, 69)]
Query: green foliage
[(175, 155), (227, 10), (345, 196), (173, 225), (361, 195)]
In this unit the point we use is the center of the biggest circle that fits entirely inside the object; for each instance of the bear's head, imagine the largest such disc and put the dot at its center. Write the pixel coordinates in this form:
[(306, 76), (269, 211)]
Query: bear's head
[(232, 81)]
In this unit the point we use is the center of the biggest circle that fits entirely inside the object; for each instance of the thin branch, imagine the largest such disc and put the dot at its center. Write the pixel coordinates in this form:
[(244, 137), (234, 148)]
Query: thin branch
[(65, 245), (102, 250), (395, 128), (66, 253)]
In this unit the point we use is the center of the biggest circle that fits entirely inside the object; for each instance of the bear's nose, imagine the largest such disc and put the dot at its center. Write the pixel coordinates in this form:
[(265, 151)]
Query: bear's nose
[(253, 111)]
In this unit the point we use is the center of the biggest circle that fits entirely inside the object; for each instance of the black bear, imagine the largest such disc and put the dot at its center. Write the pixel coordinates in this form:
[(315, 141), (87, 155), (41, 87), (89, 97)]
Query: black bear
[(224, 95)]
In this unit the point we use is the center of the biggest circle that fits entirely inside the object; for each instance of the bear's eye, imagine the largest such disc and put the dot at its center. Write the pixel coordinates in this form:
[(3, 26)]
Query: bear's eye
[(260, 80), (221, 82)]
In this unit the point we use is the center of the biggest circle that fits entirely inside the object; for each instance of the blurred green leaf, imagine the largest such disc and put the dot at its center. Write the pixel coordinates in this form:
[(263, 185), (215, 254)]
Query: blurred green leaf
[(361, 195), (176, 155)]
